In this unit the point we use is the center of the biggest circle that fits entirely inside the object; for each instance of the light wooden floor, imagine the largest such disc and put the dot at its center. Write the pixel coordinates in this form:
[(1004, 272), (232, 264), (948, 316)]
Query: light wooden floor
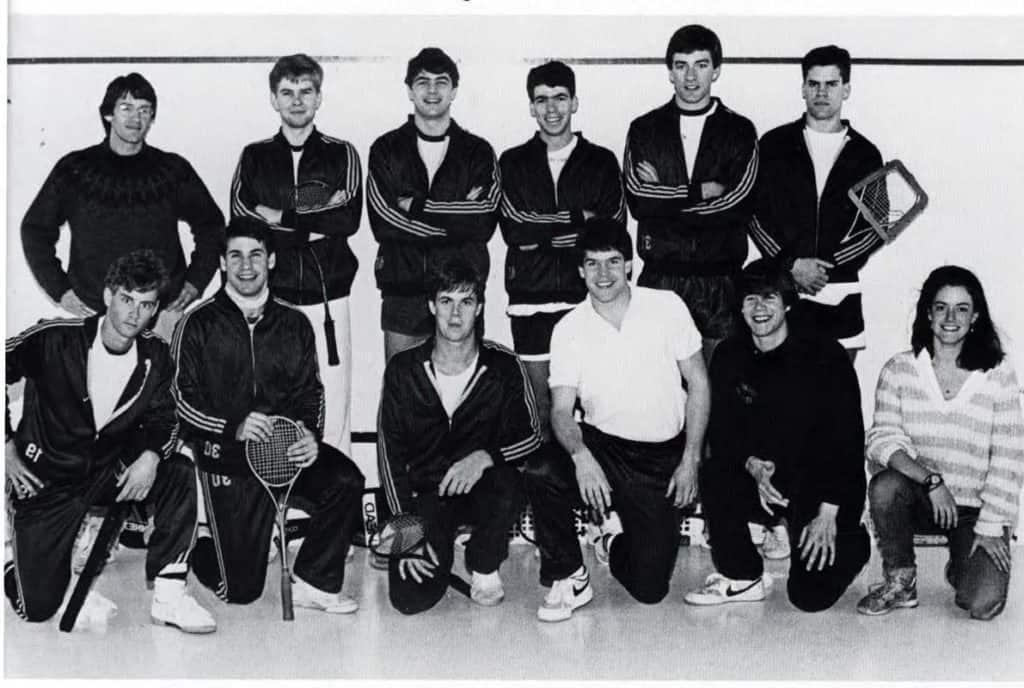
[(612, 638)]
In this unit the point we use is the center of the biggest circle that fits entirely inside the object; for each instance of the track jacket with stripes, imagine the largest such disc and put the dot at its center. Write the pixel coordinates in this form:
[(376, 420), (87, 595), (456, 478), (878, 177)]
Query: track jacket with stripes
[(678, 231), (265, 176), (57, 436), (442, 222), (790, 222), (542, 224), (417, 442), (225, 370)]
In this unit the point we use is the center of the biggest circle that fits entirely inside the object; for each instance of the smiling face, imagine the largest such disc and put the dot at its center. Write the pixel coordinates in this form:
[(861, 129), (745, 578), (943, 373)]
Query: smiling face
[(765, 315), (432, 94), (691, 75), (824, 92), (296, 100), (951, 316), (129, 122), (247, 265), (606, 275), (553, 108), (455, 312)]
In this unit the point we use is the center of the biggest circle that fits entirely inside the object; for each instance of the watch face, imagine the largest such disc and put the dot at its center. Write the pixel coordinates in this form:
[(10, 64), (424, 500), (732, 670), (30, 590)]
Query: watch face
[(934, 479)]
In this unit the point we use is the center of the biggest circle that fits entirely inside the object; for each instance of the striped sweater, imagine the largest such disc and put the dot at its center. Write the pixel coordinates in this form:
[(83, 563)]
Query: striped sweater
[(975, 440)]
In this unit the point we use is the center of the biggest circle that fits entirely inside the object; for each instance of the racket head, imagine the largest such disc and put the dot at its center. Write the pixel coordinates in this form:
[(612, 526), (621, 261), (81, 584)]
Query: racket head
[(312, 194), (269, 460), (400, 536), (889, 198)]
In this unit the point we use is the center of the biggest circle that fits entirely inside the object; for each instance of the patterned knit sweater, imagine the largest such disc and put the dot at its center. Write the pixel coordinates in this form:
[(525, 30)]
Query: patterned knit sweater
[(114, 204), (975, 440)]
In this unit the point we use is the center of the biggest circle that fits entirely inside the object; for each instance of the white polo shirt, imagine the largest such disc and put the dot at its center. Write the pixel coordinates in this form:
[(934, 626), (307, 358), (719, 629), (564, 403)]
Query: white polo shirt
[(628, 380)]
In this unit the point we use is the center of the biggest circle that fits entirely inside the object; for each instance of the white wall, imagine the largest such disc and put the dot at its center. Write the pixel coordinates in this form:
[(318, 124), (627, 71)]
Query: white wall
[(958, 128)]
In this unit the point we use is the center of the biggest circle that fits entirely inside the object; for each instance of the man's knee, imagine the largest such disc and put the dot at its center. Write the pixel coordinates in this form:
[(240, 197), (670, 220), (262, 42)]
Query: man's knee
[(809, 598), (886, 488), (984, 603)]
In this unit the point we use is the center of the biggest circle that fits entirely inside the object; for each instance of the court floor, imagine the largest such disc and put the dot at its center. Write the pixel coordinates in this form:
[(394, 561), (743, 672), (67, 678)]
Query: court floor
[(611, 638)]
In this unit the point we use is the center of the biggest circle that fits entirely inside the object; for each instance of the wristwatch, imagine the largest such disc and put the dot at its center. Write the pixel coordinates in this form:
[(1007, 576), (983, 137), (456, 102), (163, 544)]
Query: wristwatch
[(933, 480)]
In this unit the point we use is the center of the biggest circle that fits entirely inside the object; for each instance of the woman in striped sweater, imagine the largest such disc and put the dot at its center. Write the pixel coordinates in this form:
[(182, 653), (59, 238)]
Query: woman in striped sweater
[(947, 450)]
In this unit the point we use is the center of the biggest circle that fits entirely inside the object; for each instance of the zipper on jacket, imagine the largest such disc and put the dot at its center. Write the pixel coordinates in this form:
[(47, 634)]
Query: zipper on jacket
[(252, 353)]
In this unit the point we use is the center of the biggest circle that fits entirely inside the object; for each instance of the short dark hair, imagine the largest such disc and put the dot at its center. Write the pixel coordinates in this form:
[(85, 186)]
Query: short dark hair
[(455, 274), (242, 226), (553, 73), (825, 56), (767, 276), (604, 234), (133, 84), (138, 270), (435, 61), (691, 38), (294, 67), (982, 349)]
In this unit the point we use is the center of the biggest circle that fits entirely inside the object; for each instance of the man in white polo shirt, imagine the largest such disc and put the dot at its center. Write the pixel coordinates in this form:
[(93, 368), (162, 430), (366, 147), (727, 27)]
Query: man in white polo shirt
[(624, 352)]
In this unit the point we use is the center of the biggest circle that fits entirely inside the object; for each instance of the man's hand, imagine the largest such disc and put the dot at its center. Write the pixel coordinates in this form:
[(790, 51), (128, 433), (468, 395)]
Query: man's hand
[(474, 193), (304, 450), (256, 426), (647, 172), (188, 294), (74, 305), (594, 487), (418, 569), (339, 197), (271, 215), (137, 480), (711, 190), (464, 474), (811, 274), (587, 214), (943, 507), (762, 471), (996, 549), (684, 481), (818, 538), (25, 482), (405, 203)]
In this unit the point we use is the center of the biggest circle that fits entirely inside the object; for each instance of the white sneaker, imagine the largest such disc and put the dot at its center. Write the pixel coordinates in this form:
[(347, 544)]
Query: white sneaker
[(305, 595), (565, 596), (486, 589), (95, 613), (610, 527), (776, 543), (87, 533), (720, 590), (173, 606)]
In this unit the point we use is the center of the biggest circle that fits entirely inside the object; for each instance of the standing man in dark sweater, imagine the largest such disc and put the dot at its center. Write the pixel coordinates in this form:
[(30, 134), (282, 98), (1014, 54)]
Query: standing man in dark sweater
[(787, 437), (550, 185), (307, 188), (118, 196), (802, 214), (690, 167), (433, 192)]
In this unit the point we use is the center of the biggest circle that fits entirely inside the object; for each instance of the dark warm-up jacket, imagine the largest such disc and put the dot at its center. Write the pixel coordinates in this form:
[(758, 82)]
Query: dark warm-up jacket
[(265, 176), (416, 440), (678, 231), (799, 406), (790, 222), (57, 436), (225, 371), (115, 204), (442, 222), (542, 231)]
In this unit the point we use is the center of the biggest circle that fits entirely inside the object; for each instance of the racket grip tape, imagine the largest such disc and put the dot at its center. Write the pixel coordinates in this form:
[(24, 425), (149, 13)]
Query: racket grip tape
[(332, 342), (287, 606)]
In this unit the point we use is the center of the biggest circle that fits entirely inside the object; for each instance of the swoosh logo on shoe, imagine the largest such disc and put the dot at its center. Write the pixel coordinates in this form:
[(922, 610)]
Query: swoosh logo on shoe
[(579, 590), (729, 592)]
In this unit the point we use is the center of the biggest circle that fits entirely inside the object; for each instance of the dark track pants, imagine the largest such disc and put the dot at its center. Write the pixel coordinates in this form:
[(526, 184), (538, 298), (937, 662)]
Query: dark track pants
[(643, 556), (241, 515), (492, 506), (45, 527), (729, 498)]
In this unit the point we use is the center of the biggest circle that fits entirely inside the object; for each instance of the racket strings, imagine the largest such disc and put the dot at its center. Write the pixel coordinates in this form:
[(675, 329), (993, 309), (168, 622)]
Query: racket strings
[(313, 194), (269, 459), (401, 535)]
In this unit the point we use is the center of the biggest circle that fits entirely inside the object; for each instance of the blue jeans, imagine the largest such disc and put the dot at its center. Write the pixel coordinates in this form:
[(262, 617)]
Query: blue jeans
[(900, 508)]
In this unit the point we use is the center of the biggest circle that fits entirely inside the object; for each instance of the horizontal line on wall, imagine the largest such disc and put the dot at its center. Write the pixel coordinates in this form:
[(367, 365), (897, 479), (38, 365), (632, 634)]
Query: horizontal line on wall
[(614, 61)]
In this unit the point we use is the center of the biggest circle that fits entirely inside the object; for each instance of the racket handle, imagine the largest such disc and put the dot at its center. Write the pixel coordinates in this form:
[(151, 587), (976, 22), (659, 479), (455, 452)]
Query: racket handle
[(287, 607), (332, 342)]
